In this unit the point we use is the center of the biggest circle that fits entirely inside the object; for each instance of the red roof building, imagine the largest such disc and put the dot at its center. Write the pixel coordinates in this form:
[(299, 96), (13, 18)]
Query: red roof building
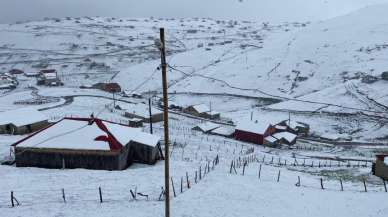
[(253, 132)]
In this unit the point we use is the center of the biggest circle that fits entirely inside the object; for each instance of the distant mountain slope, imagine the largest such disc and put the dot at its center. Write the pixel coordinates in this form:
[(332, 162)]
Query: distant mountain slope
[(334, 62)]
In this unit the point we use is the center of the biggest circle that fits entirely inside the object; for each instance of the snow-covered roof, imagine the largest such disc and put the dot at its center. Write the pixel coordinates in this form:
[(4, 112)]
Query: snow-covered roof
[(225, 131), (31, 73), (21, 117), (50, 75), (294, 124), (79, 135), (253, 127), (281, 127), (125, 134), (139, 109), (207, 126), (271, 139), (285, 135), (201, 108)]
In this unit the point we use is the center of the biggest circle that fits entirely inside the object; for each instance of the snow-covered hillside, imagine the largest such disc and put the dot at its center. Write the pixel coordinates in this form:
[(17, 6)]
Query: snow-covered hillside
[(325, 74)]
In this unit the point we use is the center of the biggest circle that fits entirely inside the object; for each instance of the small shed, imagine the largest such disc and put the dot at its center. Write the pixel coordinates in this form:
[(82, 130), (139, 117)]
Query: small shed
[(295, 127), (22, 121), (15, 72), (31, 74), (223, 131), (380, 167), (203, 111), (146, 148), (254, 132), (135, 122), (48, 77), (206, 127), (285, 138), (271, 141), (140, 111), (88, 143)]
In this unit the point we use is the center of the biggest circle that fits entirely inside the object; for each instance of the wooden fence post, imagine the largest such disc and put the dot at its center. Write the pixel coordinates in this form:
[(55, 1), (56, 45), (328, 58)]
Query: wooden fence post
[(278, 176), (200, 173), (322, 184), (195, 178), (298, 183), (173, 187), (385, 185), (12, 202), (364, 185), (63, 195), (100, 193), (187, 180), (342, 187), (245, 164), (231, 167), (181, 184), (260, 171)]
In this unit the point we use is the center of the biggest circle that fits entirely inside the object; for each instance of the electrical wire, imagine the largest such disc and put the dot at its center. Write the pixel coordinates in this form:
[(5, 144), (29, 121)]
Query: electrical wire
[(276, 96)]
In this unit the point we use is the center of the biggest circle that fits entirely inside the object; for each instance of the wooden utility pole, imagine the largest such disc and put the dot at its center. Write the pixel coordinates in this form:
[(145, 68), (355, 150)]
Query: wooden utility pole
[(165, 119), (150, 111)]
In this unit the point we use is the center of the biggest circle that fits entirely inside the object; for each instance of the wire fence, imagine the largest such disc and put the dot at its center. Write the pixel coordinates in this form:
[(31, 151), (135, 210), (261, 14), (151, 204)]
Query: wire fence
[(242, 166), (23, 197)]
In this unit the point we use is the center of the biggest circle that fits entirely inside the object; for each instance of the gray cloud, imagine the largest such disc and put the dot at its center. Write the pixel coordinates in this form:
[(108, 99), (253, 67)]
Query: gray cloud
[(264, 10)]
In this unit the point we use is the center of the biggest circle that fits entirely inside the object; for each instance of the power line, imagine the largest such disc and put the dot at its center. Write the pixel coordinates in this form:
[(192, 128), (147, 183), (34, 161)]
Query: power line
[(276, 96)]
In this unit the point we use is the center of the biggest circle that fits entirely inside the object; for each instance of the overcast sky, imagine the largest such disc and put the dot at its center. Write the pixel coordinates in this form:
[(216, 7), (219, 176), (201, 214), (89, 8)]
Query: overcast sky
[(263, 10)]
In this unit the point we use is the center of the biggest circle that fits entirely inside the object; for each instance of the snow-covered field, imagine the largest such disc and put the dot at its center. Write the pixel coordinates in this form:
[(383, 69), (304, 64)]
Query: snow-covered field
[(326, 74)]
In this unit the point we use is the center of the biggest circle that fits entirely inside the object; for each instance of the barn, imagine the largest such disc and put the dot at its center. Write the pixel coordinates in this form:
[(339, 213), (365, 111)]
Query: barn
[(22, 121), (254, 132), (380, 166), (88, 143)]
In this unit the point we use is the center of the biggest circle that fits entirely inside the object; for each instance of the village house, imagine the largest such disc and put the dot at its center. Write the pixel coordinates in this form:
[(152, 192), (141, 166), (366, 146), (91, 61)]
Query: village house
[(108, 87), (206, 127), (22, 121), (7, 82), (203, 111), (92, 144), (253, 131), (140, 111), (380, 166), (48, 77)]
